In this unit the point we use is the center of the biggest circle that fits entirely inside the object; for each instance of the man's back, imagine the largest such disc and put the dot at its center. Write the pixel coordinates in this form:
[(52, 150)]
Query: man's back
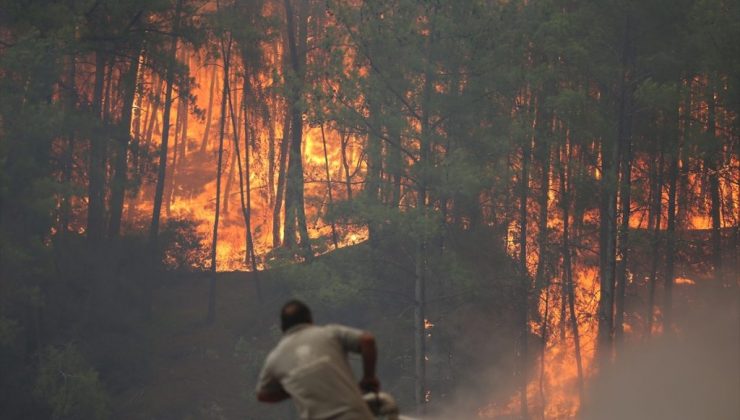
[(310, 363)]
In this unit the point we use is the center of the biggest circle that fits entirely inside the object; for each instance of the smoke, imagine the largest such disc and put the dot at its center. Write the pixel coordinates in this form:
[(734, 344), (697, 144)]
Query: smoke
[(693, 373)]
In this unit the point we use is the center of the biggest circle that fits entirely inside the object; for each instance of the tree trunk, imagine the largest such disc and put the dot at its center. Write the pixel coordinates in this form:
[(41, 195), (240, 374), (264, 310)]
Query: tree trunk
[(118, 186), (565, 179), (209, 113), (248, 205), (625, 185), (169, 189), (162, 170), (270, 160), (154, 112), (671, 238), (710, 162), (657, 210), (137, 123), (280, 193), (226, 53), (328, 188), (374, 168), (345, 164), (294, 202), (232, 164), (96, 172), (523, 290), (540, 280), (67, 160), (395, 165)]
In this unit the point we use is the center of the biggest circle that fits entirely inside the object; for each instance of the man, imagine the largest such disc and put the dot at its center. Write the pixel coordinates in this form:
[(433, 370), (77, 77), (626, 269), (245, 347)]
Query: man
[(310, 365)]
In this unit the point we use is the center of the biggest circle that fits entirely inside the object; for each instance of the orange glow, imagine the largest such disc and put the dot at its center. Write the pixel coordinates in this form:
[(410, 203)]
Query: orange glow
[(684, 280), (194, 174), (560, 375)]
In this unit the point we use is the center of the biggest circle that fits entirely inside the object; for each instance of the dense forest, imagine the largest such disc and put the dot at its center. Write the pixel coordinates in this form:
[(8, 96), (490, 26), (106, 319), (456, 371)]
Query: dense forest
[(513, 195)]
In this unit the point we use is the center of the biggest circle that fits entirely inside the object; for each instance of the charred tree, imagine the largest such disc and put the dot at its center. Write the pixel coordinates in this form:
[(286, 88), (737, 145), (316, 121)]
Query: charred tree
[(657, 203), (670, 233), (70, 97), (565, 197), (96, 172), (209, 113), (295, 215), (118, 186), (162, 168), (153, 114), (711, 158), (226, 53), (625, 186), (523, 288), (543, 155), (247, 204)]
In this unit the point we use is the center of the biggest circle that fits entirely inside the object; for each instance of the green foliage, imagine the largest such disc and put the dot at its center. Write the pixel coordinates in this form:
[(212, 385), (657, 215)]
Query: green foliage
[(324, 284), (70, 386), (182, 246)]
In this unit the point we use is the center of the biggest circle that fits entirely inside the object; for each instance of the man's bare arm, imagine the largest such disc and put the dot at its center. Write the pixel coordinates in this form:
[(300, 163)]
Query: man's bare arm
[(369, 352)]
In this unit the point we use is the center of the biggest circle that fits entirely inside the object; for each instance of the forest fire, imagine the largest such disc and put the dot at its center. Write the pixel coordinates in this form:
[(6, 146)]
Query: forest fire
[(193, 189), (554, 185)]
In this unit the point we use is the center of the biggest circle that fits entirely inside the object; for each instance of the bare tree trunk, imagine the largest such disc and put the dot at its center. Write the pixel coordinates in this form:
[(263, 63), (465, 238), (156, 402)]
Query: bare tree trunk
[(67, 160), (280, 194), (185, 109), (162, 170), (671, 239), (344, 139), (625, 138), (565, 179), (181, 135), (395, 165), (96, 174), (523, 291), (154, 112), (231, 168), (118, 186), (543, 351), (657, 210), (540, 280), (374, 168), (328, 188), (169, 189), (236, 123), (209, 113), (226, 53), (248, 205), (271, 161), (137, 122), (425, 150), (294, 201), (710, 162)]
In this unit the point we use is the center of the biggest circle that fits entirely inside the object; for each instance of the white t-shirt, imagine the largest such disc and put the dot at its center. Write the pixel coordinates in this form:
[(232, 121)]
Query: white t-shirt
[(310, 362)]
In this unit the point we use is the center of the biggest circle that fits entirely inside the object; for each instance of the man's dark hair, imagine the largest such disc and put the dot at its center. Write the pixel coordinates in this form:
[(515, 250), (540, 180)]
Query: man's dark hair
[(294, 312)]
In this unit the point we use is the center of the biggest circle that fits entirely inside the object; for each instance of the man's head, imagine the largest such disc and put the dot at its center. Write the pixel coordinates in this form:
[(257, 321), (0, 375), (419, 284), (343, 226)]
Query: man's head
[(294, 312)]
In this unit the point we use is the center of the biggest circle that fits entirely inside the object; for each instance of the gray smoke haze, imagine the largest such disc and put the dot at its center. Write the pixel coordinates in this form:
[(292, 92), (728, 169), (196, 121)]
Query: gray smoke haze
[(693, 374)]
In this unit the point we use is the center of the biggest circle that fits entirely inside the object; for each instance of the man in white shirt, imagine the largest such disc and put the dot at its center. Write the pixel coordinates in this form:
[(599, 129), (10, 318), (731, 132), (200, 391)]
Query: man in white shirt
[(310, 365)]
